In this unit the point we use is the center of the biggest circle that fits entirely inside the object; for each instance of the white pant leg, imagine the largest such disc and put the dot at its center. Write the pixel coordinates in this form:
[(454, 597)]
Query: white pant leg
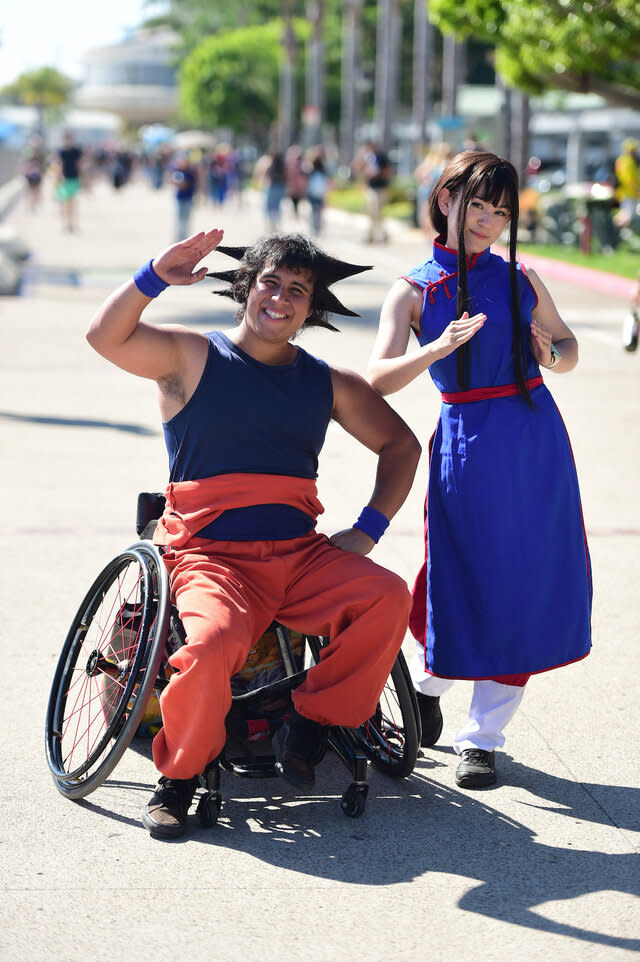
[(492, 707), (423, 681)]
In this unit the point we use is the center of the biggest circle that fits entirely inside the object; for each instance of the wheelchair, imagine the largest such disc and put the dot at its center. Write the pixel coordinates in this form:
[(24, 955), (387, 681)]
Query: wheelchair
[(114, 665)]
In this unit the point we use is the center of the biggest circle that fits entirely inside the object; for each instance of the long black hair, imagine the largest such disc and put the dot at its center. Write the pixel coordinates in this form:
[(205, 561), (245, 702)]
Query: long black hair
[(479, 173)]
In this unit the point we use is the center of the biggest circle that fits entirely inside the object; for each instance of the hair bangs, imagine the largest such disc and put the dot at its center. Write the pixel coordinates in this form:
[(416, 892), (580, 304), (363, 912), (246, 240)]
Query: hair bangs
[(496, 184)]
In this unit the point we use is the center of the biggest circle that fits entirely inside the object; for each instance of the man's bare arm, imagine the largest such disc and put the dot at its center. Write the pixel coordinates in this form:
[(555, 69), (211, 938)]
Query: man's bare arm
[(148, 350), (371, 421)]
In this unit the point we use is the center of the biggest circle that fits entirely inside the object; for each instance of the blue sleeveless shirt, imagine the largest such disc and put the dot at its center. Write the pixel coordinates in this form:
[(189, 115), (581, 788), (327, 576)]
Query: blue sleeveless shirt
[(253, 418)]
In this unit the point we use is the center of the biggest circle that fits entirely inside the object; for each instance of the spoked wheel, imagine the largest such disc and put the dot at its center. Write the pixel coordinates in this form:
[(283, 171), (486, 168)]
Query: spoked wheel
[(391, 737), (107, 670)]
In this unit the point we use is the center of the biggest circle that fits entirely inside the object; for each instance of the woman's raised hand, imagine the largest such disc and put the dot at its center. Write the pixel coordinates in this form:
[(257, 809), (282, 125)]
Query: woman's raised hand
[(458, 332), (177, 264)]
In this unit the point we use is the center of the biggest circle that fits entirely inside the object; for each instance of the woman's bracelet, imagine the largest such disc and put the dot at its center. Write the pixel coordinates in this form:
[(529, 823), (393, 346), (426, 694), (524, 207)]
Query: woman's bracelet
[(148, 282), (372, 522)]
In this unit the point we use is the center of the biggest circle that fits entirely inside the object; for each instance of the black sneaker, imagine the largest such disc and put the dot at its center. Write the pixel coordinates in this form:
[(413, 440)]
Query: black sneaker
[(477, 768), (298, 746), (431, 718), (165, 814)]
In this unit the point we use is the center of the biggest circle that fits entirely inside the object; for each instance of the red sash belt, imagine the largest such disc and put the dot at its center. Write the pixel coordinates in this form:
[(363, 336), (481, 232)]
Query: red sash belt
[(487, 393)]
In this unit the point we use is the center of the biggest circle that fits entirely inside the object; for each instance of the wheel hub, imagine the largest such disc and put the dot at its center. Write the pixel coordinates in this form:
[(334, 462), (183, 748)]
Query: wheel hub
[(97, 664)]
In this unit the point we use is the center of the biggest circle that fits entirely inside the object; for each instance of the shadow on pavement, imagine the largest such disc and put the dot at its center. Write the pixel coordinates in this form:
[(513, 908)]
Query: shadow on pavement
[(427, 828), (51, 421)]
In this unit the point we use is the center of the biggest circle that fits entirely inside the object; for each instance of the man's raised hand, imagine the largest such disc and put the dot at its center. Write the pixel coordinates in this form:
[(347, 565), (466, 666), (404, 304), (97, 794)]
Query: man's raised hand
[(177, 264)]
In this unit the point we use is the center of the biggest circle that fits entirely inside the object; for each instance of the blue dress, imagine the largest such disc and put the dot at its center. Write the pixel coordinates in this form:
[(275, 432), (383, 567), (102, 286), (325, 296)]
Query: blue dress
[(506, 584)]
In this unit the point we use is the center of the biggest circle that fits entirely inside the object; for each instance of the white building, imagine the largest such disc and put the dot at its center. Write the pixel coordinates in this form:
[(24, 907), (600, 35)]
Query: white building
[(135, 78)]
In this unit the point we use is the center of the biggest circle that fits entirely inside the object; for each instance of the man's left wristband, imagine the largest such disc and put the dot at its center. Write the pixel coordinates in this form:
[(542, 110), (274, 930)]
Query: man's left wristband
[(372, 522), (148, 282)]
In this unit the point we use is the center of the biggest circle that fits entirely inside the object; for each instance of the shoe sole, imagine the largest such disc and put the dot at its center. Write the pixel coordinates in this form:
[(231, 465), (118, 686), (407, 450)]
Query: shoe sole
[(157, 830), (476, 781)]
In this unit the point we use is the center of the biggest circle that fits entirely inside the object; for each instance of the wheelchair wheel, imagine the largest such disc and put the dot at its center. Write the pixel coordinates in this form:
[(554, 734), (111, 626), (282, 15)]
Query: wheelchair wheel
[(107, 670), (391, 737)]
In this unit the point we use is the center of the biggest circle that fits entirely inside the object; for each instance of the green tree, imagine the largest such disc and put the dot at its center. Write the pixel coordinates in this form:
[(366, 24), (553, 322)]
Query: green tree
[(45, 89), (231, 79), (193, 20), (587, 46), (200, 24)]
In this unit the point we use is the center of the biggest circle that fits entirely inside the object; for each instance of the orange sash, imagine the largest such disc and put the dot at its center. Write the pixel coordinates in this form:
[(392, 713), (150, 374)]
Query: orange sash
[(192, 505)]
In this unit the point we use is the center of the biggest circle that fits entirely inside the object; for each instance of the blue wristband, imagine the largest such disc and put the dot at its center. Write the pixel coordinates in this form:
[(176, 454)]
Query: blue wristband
[(148, 282), (372, 522)]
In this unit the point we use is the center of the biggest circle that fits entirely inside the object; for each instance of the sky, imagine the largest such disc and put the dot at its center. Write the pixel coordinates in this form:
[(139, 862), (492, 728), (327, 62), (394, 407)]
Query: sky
[(39, 33)]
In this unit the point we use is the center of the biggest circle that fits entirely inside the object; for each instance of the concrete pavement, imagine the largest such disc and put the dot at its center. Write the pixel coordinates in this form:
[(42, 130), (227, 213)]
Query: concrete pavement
[(544, 865)]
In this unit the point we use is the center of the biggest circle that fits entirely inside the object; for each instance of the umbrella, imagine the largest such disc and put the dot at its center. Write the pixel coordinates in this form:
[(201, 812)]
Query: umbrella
[(155, 134)]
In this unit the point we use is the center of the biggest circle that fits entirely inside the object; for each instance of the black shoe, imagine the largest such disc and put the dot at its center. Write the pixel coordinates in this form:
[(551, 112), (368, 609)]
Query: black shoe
[(477, 768), (165, 814), (298, 746), (431, 718)]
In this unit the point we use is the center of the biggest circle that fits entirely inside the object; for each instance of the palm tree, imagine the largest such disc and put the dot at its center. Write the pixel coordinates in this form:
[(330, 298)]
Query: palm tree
[(316, 72), (287, 78), (350, 78), (387, 57), (422, 47), (45, 89)]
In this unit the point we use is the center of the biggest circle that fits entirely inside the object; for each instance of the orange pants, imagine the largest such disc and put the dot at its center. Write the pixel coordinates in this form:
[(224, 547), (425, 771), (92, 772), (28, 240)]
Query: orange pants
[(228, 593)]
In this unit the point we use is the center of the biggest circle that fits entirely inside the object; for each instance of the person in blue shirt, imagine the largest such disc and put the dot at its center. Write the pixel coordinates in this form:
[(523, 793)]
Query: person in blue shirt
[(245, 415)]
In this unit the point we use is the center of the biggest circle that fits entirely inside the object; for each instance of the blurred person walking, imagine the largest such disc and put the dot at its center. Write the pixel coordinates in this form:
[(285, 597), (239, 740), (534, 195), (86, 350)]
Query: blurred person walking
[(270, 174), (318, 184), (631, 324), (184, 177), (295, 177), (425, 176), (32, 169), (627, 171), (374, 165), (68, 179)]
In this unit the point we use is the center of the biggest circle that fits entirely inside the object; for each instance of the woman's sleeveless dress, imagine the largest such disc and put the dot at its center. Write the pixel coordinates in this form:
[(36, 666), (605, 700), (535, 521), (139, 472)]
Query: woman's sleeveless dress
[(506, 584)]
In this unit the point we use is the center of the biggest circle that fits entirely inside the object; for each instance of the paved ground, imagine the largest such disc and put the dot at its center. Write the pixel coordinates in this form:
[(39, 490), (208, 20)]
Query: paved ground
[(544, 865)]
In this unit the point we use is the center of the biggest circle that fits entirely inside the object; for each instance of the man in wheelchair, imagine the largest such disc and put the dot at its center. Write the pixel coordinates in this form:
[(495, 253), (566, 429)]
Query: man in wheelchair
[(245, 416)]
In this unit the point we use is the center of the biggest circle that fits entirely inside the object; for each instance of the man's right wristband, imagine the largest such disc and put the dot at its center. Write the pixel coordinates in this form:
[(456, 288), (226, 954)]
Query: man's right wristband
[(148, 282)]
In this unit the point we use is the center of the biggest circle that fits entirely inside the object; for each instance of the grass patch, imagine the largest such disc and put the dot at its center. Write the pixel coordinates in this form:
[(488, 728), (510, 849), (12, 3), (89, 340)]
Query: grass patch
[(351, 198), (623, 262)]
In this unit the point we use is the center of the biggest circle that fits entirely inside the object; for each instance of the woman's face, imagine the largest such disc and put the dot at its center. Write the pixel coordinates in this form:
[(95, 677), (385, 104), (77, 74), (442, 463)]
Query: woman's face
[(483, 223)]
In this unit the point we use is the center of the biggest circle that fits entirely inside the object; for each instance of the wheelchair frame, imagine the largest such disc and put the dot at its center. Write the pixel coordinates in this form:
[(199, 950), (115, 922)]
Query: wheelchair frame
[(115, 658)]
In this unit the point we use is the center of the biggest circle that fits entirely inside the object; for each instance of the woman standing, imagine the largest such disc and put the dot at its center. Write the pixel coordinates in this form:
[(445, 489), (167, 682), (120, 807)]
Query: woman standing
[(505, 589), (317, 187)]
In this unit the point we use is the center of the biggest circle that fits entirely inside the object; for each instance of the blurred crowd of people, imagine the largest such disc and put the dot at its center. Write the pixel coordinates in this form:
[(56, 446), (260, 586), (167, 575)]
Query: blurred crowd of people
[(299, 180), (294, 175)]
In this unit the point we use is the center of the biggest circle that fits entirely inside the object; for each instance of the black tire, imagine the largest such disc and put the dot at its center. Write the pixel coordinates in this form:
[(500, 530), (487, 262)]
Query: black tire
[(107, 670), (391, 737)]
